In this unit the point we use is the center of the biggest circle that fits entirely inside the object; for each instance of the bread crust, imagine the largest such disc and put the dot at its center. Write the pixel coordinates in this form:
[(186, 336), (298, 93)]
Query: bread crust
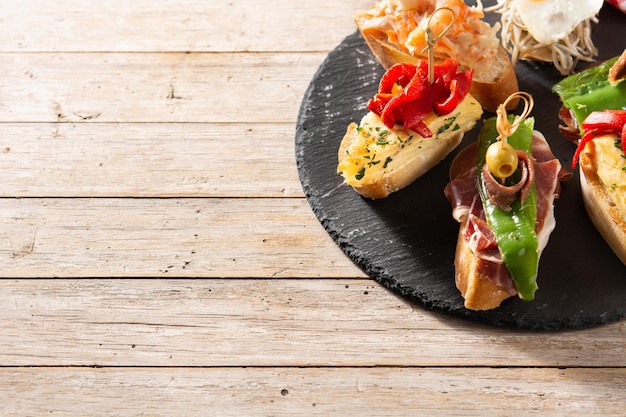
[(606, 217), (490, 90), (479, 292), (490, 93), (389, 181)]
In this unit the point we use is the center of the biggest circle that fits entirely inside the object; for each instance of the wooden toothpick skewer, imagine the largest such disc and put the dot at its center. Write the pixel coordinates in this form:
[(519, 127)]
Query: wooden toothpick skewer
[(431, 41), (506, 129)]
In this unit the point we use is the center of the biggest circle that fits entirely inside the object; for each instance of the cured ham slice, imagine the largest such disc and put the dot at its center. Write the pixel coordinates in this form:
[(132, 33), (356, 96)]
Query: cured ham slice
[(504, 195)]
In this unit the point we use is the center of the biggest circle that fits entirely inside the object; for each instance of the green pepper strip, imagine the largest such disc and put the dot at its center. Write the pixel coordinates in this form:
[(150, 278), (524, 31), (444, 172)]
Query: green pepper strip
[(590, 90), (514, 230)]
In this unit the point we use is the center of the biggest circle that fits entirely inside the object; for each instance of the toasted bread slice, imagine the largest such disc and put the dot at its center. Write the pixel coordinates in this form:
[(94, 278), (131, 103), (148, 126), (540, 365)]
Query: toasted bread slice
[(603, 188), (414, 165), (377, 161), (479, 292)]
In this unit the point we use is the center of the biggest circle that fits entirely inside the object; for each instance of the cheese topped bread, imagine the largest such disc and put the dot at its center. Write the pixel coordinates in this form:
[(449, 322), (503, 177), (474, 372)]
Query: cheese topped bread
[(603, 184), (376, 160), (594, 116), (609, 162)]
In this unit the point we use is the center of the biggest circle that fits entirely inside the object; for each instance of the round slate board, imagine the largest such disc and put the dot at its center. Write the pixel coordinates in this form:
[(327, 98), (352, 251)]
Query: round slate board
[(407, 240)]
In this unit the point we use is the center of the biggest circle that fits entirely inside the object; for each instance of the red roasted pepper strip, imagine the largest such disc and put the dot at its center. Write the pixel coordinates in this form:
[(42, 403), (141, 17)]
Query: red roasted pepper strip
[(415, 111), (411, 105), (418, 97), (399, 73), (446, 71), (459, 87), (378, 103), (587, 137), (605, 120), (600, 123)]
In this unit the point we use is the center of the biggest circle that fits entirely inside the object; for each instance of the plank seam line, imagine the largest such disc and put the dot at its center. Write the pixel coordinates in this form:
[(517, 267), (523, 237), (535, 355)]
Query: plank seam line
[(321, 367)]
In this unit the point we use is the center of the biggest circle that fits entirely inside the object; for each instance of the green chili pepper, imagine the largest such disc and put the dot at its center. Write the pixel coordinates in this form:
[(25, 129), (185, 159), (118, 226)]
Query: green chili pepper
[(589, 91), (514, 230)]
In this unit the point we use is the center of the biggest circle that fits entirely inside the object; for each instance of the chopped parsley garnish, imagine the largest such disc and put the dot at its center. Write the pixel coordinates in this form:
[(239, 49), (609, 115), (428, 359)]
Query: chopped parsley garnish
[(372, 160), (448, 122), (382, 141), (360, 174)]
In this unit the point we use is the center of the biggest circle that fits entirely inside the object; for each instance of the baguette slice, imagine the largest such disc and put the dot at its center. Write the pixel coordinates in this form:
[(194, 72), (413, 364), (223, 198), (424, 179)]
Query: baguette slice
[(479, 292), (377, 161), (603, 188), (480, 276), (494, 77)]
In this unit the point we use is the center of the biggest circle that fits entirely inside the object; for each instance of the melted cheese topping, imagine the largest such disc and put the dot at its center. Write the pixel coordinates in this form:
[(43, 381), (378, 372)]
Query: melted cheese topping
[(378, 149), (610, 163)]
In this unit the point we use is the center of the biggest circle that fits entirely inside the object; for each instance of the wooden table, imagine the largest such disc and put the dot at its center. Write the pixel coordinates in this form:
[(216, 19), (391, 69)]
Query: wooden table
[(159, 256)]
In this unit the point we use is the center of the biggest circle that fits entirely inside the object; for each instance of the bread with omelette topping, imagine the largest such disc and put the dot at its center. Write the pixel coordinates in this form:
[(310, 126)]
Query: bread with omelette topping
[(412, 124), (602, 167), (594, 117)]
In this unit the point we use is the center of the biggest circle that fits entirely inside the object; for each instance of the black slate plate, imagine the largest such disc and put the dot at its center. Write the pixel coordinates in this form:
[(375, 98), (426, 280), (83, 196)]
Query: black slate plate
[(407, 240)]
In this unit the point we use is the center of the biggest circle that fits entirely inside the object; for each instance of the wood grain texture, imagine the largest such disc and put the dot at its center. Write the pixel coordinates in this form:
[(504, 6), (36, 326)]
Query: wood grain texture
[(176, 26), (256, 322), (148, 160), (129, 237), (154, 87), (313, 392), (158, 257)]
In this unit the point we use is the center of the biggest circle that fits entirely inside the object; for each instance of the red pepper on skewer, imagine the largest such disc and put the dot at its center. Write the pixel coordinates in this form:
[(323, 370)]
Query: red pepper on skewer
[(459, 87), (419, 97), (398, 73)]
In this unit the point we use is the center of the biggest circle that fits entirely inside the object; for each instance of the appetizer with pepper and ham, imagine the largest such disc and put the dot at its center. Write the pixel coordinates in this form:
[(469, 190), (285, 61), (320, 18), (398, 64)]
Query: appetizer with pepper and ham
[(502, 190), (412, 124), (594, 116)]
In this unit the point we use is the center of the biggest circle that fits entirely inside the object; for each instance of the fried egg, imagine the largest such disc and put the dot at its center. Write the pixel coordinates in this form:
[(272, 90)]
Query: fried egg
[(550, 20)]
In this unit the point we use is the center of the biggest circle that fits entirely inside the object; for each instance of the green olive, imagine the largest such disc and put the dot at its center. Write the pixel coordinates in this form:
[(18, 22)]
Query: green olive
[(501, 159)]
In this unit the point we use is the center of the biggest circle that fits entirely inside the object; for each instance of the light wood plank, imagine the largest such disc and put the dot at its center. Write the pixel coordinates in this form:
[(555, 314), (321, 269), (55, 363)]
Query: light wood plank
[(154, 87), (251, 322), (313, 392), (161, 237), (148, 160), (181, 25)]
